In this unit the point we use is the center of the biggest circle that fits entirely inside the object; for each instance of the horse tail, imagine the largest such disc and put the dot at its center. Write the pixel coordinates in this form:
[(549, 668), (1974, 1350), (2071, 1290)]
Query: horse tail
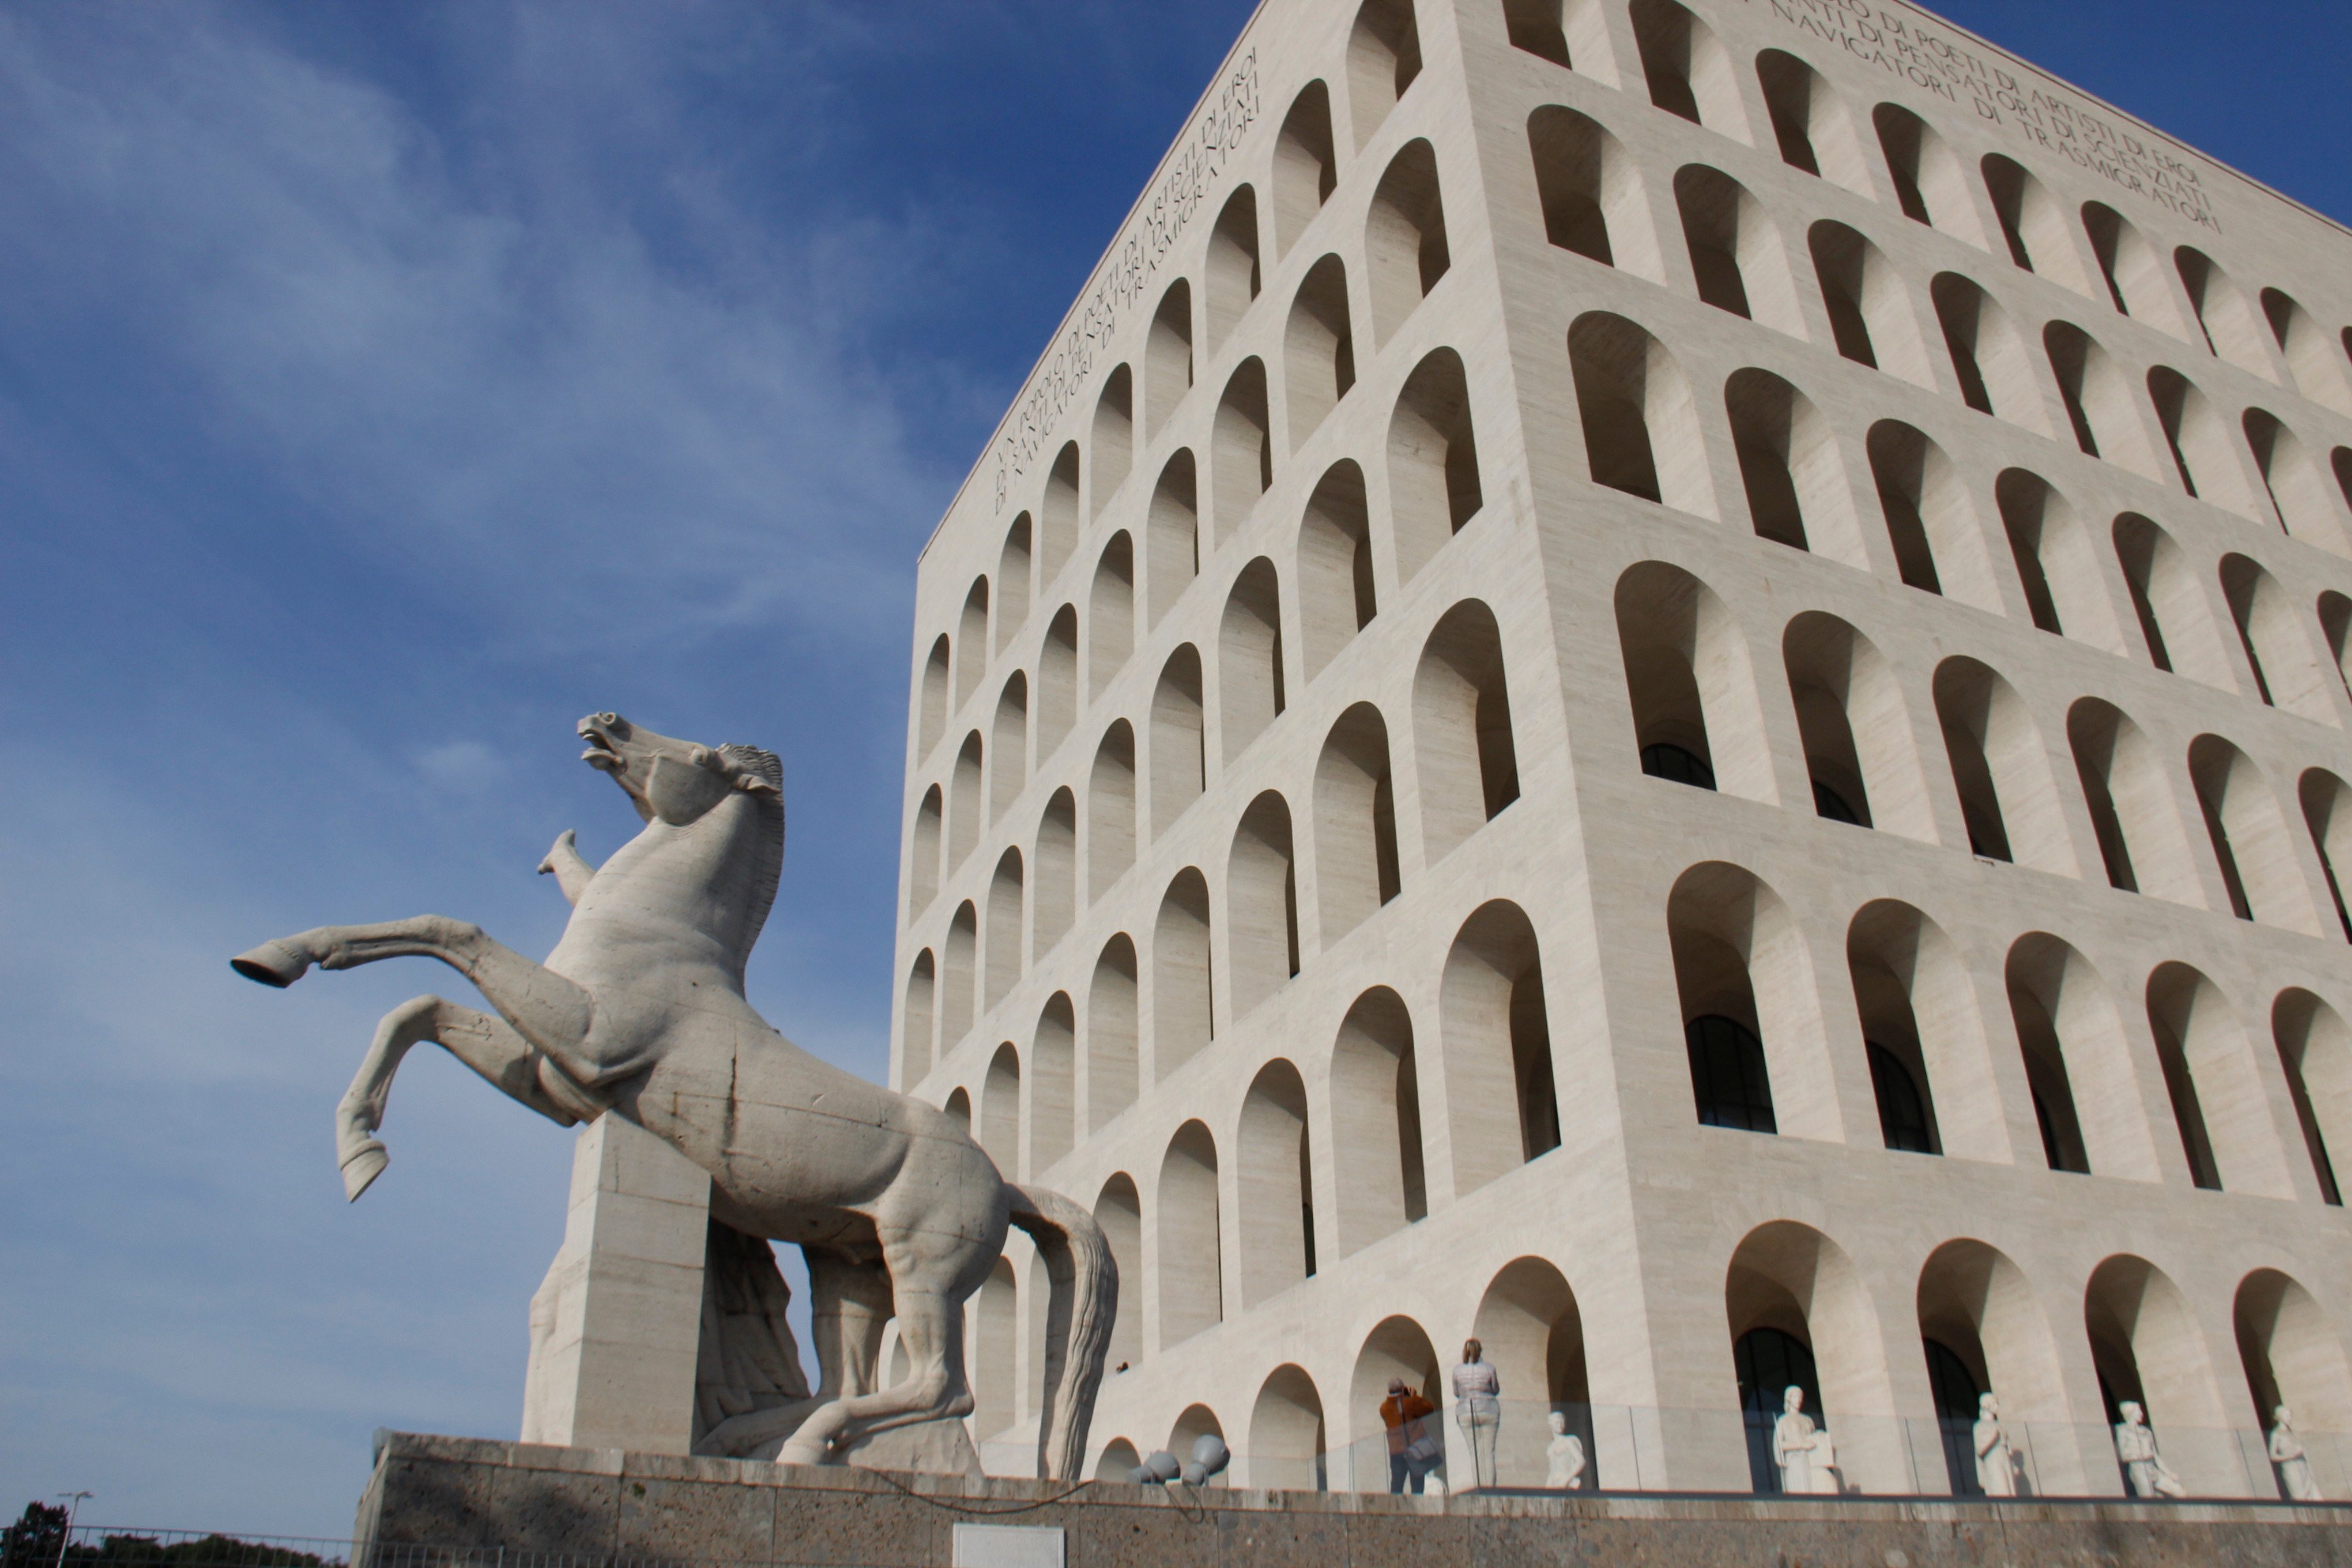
[(1081, 1306)]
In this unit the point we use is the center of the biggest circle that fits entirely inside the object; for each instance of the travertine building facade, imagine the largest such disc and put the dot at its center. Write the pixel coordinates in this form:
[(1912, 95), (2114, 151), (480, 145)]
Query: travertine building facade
[(1663, 683)]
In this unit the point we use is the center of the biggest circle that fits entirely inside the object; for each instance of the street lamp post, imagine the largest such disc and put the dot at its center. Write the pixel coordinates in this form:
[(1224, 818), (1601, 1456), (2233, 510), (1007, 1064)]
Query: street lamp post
[(73, 1505)]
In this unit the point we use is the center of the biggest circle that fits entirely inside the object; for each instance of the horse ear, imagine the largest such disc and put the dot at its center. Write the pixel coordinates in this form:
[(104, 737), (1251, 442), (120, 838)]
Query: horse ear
[(750, 783)]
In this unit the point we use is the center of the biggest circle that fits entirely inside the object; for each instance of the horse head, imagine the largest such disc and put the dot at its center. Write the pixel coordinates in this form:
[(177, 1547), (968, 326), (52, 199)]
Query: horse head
[(670, 780)]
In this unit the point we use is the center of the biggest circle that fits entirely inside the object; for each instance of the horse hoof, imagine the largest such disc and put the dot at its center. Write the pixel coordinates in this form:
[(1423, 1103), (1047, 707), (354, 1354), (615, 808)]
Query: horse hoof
[(273, 963), (362, 1169)]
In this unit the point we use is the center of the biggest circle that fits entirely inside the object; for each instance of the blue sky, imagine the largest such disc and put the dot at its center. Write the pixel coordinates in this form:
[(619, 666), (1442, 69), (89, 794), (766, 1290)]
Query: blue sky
[(381, 388)]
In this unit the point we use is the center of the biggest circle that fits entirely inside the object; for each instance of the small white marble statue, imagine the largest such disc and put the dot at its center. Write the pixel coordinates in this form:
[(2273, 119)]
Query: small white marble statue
[(1564, 1457), (639, 1013), (1806, 1457), (2144, 1468), (1996, 1465), (2294, 1465)]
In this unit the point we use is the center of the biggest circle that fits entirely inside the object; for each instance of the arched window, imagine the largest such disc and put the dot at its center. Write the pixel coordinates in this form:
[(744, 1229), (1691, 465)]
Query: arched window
[(1640, 421), (999, 1111), (1058, 872), (1304, 170), (1984, 1332), (1241, 458), (1287, 1438), (1261, 903), (2336, 626), (915, 1022), (1168, 356), (1319, 349), (2071, 1034), (2040, 239), (1735, 250), (1053, 1084), (2291, 1355), (964, 800), (1376, 1123), (1172, 535), (1929, 183), (958, 977), (1810, 124), (1869, 313), (923, 854), (1433, 488), (1057, 681), (1856, 733), (1570, 32), (1192, 1276), (2130, 800), (1728, 1079), (2315, 1050), (2171, 604), (2222, 312), (2311, 358), (1995, 376), (1404, 238), (1184, 1002), (1232, 280), (2203, 453), (972, 641), (1180, 769), (1275, 1183), (2099, 406), (1930, 519), (1111, 1021), (2134, 271), (2250, 843), (1497, 1060), (1462, 728), (996, 1333), (1012, 574), (1119, 1212), (1383, 58), (1690, 684), (2215, 1086), (2147, 1348), (2277, 646), (1336, 593), (1356, 866), (959, 1109), (2327, 814), (1005, 898), (1111, 810), (1249, 691), (2298, 496), (1113, 443), (1800, 1317), (1009, 745), (1110, 611), (934, 701), (1790, 466), (1916, 1002), (1750, 1016), (2008, 798), (1592, 193), (2055, 563), (1057, 516), (1688, 71)]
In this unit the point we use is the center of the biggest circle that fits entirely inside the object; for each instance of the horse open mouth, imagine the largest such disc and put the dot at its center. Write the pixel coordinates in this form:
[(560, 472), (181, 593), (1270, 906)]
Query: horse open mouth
[(601, 753)]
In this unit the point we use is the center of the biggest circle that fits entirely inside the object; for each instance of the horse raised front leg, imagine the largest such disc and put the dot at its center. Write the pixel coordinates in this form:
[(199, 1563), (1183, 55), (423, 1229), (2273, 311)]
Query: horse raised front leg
[(545, 1009), (483, 1042)]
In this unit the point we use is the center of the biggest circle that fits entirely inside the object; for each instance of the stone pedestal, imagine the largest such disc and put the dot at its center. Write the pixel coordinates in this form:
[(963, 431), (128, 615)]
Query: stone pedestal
[(616, 1326)]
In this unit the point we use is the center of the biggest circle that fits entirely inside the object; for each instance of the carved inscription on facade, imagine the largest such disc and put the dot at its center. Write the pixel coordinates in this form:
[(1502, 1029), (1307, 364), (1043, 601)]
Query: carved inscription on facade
[(1122, 283), (2044, 116)]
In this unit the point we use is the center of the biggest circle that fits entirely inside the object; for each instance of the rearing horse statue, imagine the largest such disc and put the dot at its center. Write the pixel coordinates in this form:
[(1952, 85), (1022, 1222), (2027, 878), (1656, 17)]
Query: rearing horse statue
[(640, 1013)]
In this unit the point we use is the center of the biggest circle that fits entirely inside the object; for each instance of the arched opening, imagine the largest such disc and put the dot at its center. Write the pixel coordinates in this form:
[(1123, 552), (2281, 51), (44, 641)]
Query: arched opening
[(1640, 421), (1850, 717), (1916, 1002), (1462, 728), (1743, 982), (1168, 356), (1113, 441), (1180, 764), (2099, 406), (1592, 193), (2131, 804), (995, 1341), (1012, 574), (2040, 239), (1869, 313), (1053, 1084), (1995, 374), (1118, 1461), (1983, 1332), (2170, 602), (2293, 1359), (1112, 611), (1111, 810), (1057, 681), (2272, 636), (999, 1111), (2298, 496), (915, 1022), (2134, 271), (2201, 449), (1241, 458), (2315, 1051), (1056, 895), (2064, 588), (1192, 1277), (2311, 358), (1250, 693), (1119, 1212), (1500, 1088), (1275, 1185), (958, 977), (1690, 685), (1930, 521), (1183, 993), (1232, 269), (2327, 814), (1111, 1074), (1008, 745), (1790, 468), (2077, 1064), (1533, 1335), (1057, 516), (1261, 903), (972, 641), (1810, 124), (1305, 169), (1003, 955), (2251, 846), (1800, 1317), (1383, 58), (1319, 349), (1197, 1422), (923, 854), (934, 700), (1688, 70), (2336, 626), (1929, 183), (1433, 489), (958, 1110), (2149, 1349), (1376, 1145), (1336, 593), (1356, 866), (1404, 238), (1982, 717), (1397, 1349), (1172, 535), (1286, 1439), (2227, 319), (2215, 1084), (1735, 250)]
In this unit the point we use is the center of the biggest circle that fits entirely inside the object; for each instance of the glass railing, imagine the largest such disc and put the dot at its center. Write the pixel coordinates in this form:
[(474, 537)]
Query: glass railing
[(1618, 1448)]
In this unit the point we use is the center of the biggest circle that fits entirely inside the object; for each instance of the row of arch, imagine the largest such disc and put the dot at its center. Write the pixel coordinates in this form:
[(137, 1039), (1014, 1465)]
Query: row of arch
[(1465, 772), (1698, 721), (1797, 1309), (1689, 73)]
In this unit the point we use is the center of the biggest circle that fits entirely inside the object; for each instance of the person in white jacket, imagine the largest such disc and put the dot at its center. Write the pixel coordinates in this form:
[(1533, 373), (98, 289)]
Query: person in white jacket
[(1478, 1409)]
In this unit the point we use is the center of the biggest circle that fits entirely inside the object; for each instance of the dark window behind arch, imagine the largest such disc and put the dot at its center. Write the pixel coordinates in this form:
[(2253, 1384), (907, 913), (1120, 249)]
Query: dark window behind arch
[(1727, 1075), (1901, 1112), (1769, 1364)]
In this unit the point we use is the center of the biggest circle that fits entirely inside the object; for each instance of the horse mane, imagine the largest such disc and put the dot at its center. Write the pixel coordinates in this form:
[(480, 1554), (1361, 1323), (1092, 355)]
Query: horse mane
[(770, 866)]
